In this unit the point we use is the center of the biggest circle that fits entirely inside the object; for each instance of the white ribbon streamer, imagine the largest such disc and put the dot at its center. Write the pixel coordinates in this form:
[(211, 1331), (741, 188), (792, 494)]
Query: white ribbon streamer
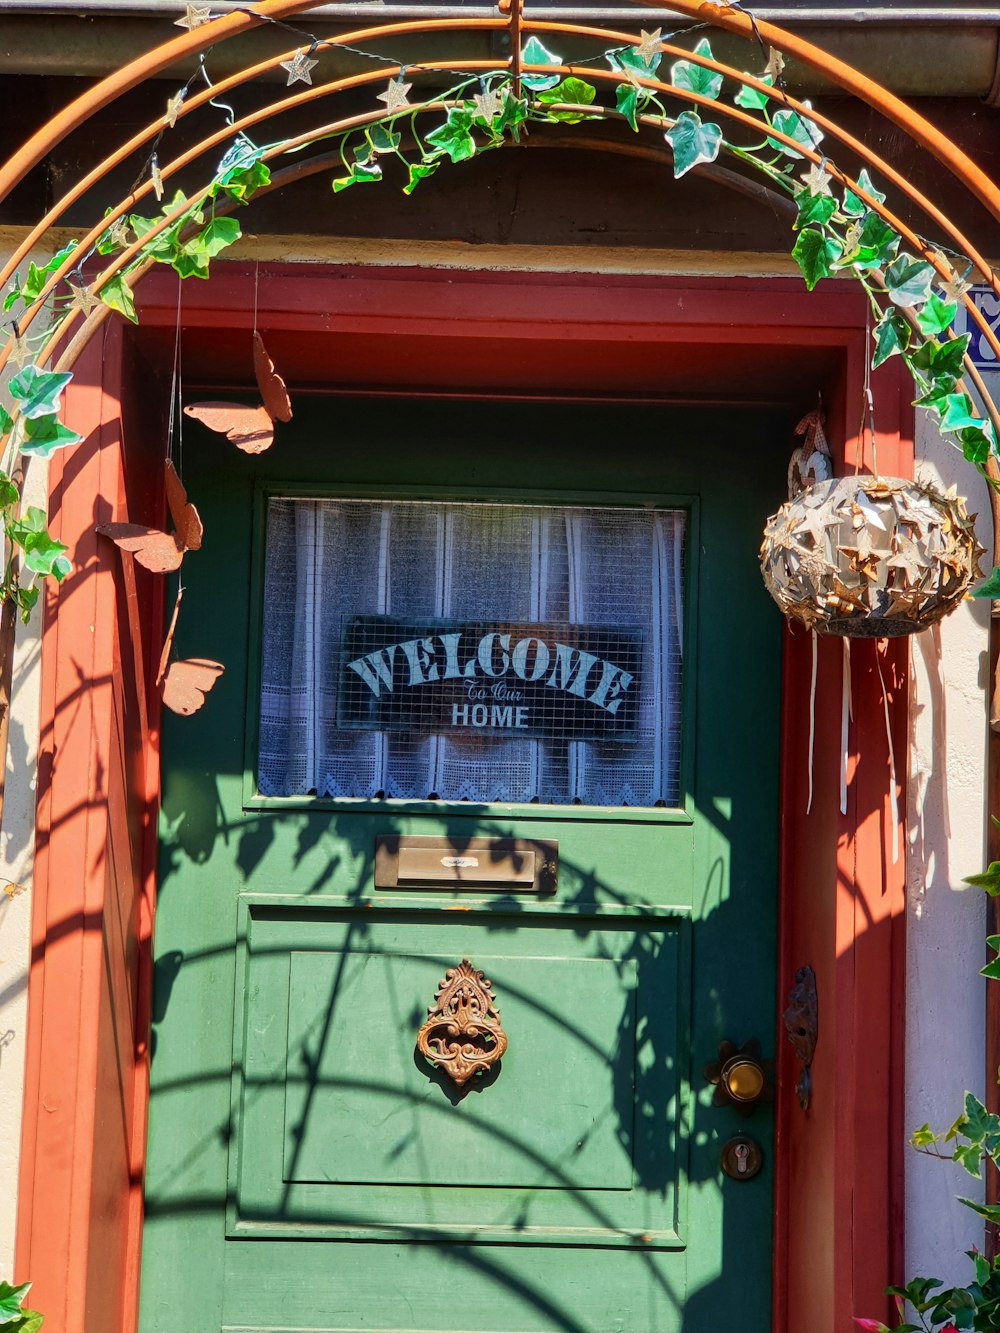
[(812, 717), (846, 715), (894, 803)]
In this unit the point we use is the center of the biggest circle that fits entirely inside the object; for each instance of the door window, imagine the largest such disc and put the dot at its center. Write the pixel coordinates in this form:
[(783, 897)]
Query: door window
[(474, 652)]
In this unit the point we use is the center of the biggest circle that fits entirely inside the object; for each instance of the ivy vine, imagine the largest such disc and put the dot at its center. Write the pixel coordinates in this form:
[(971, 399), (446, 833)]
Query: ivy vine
[(837, 231)]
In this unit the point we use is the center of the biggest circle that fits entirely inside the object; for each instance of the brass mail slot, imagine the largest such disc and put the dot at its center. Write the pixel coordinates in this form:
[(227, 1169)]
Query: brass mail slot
[(520, 865)]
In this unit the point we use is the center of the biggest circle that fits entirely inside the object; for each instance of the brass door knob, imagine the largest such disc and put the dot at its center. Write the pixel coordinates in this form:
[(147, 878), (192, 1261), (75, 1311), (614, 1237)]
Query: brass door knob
[(740, 1076)]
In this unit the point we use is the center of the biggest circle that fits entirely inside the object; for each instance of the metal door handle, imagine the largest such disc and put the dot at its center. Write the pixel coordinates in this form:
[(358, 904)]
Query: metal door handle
[(740, 1076)]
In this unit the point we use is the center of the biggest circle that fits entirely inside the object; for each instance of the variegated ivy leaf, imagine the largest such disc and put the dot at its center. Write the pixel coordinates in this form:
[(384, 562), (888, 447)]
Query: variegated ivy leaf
[(798, 128), (37, 392), (693, 141), (534, 53), (750, 98), (908, 280), (855, 207), (696, 78)]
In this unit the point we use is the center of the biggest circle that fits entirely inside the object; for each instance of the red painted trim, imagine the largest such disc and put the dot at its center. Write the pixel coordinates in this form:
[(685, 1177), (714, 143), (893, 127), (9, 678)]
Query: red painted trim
[(839, 1177)]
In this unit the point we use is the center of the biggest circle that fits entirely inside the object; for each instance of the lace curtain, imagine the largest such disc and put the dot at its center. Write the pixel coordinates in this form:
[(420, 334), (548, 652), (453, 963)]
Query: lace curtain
[(329, 560)]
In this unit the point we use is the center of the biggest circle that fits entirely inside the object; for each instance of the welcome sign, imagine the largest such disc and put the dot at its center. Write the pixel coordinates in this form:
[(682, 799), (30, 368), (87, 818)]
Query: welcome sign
[(540, 681)]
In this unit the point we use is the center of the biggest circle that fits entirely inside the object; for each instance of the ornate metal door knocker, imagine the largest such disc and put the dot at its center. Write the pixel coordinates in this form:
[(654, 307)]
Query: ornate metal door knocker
[(462, 1035)]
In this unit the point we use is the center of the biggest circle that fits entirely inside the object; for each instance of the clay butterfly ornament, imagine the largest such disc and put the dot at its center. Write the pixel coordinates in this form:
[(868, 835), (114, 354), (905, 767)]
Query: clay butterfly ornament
[(249, 428), (159, 551), (184, 683)]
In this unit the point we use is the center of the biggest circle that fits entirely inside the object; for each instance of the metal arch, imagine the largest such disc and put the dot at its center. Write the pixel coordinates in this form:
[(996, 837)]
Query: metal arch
[(250, 72), (727, 18), (225, 134), (232, 24)]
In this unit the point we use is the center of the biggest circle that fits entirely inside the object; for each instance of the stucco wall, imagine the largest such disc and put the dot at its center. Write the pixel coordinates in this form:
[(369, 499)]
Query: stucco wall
[(17, 842), (946, 921)]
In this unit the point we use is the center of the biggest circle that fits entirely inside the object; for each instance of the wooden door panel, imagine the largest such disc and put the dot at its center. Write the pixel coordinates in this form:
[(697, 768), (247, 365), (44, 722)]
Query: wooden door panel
[(343, 1129)]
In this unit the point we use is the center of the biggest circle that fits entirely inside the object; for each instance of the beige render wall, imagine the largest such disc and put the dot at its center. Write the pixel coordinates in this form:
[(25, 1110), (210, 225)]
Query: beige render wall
[(946, 921), (17, 843)]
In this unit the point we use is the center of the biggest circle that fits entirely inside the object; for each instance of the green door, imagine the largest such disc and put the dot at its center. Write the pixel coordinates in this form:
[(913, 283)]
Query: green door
[(501, 689)]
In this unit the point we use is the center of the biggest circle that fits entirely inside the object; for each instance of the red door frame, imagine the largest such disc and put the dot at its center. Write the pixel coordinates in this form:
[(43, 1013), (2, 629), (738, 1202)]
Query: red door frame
[(838, 1215)]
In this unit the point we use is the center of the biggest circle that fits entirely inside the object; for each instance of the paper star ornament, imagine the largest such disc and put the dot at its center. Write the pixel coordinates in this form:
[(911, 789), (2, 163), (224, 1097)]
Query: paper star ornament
[(395, 96), (194, 17)]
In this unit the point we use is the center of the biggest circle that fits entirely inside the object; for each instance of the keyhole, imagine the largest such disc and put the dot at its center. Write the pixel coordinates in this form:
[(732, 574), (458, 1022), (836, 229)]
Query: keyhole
[(742, 1153)]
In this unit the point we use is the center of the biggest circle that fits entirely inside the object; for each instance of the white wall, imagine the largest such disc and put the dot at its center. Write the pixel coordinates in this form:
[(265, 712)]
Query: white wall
[(17, 845), (946, 922)]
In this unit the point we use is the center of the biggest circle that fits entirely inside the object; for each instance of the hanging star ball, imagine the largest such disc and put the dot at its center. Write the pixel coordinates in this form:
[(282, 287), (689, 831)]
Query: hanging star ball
[(870, 557)]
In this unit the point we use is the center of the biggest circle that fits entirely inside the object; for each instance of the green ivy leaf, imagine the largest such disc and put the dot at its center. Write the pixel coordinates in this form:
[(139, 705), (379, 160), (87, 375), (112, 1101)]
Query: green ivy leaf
[(990, 587), (6, 422), (44, 435), (382, 138), (362, 173), (534, 53), (696, 78), (576, 91), (941, 362), (241, 182), (117, 294), (813, 208), (627, 101), (977, 442), (992, 968), (26, 599), (627, 60), (37, 392), (855, 207), (908, 280), (924, 1137), (14, 295), (219, 234), (512, 113), (750, 98), (803, 131), (957, 412), (37, 277), (693, 141), (454, 137), (420, 171), (8, 492), (891, 335), (815, 255), (42, 554), (877, 243), (936, 316)]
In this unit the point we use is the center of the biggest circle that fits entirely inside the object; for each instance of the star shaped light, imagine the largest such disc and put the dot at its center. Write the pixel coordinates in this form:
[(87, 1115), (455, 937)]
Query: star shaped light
[(487, 104), (852, 236), (817, 179), (118, 233), (84, 299), (649, 43), (955, 288), (173, 107), (194, 17), (20, 352), (395, 97), (299, 68), (775, 63), (156, 178)]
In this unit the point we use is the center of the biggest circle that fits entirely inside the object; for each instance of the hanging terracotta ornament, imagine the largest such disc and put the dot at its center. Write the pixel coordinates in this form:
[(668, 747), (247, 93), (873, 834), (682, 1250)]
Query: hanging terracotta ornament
[(249, 428), (870, 557), (186, 682), (269, 382), (159, 551)]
